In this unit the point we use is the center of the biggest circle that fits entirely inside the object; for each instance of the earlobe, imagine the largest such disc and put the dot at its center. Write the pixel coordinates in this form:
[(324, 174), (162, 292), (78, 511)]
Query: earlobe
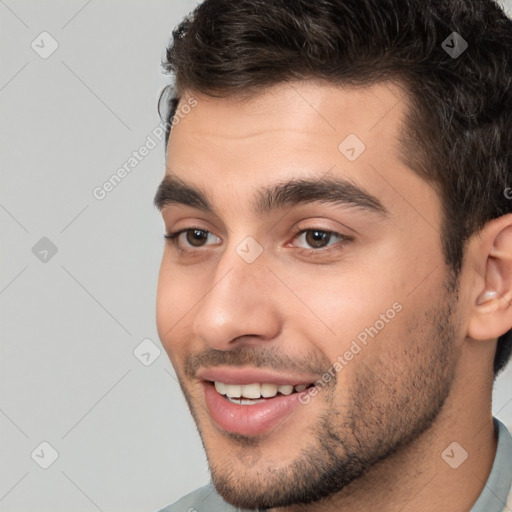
[(492, 310)]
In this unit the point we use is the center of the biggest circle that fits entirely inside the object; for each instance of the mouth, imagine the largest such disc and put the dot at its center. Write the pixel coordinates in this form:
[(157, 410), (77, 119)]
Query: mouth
[(253, 394), (250, 401)]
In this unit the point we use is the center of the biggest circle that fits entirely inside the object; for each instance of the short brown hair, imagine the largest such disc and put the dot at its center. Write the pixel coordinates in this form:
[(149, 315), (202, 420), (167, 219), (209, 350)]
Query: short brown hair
[(458, 134)]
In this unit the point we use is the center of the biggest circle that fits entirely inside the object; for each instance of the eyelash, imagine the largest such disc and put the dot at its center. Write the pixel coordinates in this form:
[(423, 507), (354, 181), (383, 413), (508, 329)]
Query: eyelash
[(173, 239), (343, 239)]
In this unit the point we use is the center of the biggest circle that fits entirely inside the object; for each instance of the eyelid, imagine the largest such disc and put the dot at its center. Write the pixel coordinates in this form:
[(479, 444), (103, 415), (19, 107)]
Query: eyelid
[(174, 237), (342, 238)]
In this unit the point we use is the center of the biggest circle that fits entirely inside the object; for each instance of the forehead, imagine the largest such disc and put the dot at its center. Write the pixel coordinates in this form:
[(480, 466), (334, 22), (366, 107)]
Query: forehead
[(301, 115), (232, 146), (323, 106)]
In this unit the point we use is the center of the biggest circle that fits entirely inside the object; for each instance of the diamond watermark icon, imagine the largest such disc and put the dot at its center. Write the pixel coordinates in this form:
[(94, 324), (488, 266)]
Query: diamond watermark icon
[(147, 352), (44, 45), (249, 249), (454, 45), (454, 455), (352, 147), (44, 250), (44, 455), (249, 458)]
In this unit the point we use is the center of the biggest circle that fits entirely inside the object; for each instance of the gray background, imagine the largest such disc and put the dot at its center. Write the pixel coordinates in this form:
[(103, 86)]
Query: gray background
[(72, 320)]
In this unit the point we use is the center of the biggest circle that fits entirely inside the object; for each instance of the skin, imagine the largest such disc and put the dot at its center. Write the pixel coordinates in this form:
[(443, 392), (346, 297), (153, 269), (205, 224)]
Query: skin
[(373, 437)]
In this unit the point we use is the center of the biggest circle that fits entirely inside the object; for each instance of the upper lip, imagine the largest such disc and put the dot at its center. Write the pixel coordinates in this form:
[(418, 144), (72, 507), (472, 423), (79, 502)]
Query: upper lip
[(246, 375)]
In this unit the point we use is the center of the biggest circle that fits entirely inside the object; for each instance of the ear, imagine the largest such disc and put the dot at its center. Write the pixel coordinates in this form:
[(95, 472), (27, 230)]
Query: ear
[(491, 314)]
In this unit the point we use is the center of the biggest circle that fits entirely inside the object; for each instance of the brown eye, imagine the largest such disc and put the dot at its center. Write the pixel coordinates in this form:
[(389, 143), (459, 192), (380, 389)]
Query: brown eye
[(196, 237), (317, 239), (192, 238)]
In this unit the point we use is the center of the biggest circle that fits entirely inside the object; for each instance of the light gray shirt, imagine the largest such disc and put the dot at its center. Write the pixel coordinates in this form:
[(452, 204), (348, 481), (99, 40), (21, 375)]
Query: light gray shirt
[(494, 497)]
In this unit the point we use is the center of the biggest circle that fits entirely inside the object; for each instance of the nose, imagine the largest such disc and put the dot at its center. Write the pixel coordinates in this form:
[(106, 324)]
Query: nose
[(238, 308)]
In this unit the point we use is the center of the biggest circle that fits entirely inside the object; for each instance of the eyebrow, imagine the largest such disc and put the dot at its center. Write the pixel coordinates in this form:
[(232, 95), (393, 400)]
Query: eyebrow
[(173, 190), (339, 191)]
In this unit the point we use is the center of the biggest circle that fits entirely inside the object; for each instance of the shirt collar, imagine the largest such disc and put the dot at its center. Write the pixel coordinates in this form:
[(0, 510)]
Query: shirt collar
[(494, 495)]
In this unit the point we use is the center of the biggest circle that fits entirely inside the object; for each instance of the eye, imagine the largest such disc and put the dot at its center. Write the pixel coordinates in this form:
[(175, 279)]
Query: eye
[(192, 237), (318, 238)]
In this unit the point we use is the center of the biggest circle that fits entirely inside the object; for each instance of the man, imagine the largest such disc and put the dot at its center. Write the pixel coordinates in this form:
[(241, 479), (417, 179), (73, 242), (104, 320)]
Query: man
[(336, 285)]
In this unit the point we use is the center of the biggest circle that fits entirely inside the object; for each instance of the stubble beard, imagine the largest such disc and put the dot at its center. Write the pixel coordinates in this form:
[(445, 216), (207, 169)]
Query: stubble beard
[(390, 406)]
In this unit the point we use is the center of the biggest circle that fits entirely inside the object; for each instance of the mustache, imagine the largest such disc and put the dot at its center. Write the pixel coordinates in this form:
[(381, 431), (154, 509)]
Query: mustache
[(269, 358)]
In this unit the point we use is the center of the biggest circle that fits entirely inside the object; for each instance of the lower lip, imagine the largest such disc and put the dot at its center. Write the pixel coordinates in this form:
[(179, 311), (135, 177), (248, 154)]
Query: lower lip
[(248, 420)]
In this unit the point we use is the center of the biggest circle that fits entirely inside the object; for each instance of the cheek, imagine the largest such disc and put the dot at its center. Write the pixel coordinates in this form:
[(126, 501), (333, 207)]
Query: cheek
[(344, 306), (177, 295)]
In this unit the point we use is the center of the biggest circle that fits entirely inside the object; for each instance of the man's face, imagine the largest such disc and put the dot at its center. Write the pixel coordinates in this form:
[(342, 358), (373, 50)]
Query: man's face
[(308, 259)]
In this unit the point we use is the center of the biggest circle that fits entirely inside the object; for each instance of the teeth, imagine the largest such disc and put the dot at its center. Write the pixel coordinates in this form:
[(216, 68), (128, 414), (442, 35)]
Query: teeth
[(255, 391), (251, 391), (220, 387), (268, 390), (285, 390), (233, 390), (246, 401)]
